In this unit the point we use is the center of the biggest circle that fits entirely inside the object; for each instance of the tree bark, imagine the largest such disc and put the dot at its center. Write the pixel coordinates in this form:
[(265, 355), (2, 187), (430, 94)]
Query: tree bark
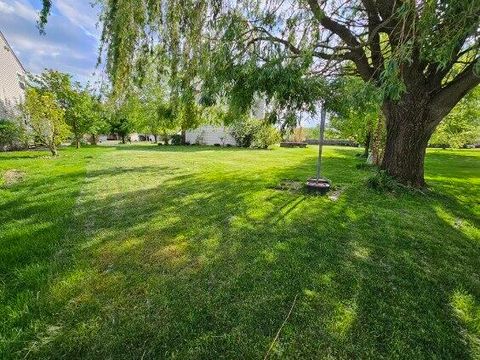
[(53, 150), (368, 140), (183, 137), (93, 140), (77, 143), (410, 125), (378, 141)]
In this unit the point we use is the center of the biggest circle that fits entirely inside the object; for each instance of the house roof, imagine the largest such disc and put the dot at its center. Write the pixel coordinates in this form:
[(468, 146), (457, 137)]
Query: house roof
[(11, 50)]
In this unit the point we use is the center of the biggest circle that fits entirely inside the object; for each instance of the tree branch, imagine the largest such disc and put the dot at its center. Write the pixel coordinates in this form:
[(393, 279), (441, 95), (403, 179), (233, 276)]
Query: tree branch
[(358, 55), (374, 23), (444, 100)]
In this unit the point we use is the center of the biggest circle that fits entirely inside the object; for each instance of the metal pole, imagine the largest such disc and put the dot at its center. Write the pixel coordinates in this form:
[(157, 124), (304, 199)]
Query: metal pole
[(323, 114)]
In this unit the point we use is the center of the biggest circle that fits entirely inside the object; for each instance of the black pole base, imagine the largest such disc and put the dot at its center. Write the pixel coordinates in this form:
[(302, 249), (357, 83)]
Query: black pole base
[(319, 186)]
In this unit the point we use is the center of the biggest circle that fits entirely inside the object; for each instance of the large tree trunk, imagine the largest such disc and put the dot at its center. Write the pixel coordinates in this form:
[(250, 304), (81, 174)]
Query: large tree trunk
[(183, 135), (409, 126)]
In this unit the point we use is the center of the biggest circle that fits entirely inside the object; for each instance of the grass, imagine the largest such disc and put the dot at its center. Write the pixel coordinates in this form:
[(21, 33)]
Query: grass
[(152, 252)]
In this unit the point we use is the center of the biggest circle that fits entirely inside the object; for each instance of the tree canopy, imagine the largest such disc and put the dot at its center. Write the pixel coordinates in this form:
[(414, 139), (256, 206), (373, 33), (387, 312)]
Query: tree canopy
[(45, 118), (83, 111)]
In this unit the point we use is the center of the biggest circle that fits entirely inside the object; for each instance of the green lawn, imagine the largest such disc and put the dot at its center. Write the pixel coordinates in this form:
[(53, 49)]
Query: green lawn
[(148, 252)]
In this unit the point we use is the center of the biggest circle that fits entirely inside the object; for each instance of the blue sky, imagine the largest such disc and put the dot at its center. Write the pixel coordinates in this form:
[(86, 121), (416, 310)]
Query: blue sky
[(71, 41)]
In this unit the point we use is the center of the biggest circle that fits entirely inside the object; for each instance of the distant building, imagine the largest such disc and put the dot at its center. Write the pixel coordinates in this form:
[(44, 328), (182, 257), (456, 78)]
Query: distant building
[(210, 135), (218, 134), (12, 79)]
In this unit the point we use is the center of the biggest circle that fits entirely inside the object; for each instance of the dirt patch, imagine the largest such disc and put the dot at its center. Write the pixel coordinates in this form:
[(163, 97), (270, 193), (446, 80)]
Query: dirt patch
[(335, 194), (12, 177), (289, 185)]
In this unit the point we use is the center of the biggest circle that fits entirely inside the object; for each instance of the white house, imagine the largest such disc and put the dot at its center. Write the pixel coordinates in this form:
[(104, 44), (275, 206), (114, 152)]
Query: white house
[(221, 135), (12, 79), (210, 135)]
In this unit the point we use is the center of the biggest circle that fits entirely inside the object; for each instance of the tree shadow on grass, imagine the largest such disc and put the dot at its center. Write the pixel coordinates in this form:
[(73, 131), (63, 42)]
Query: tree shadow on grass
[(37, 240), (217, 278), (206, 267)]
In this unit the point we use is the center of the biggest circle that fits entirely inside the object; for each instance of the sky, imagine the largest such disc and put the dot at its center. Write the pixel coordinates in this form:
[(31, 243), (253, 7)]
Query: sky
[(71, 41)]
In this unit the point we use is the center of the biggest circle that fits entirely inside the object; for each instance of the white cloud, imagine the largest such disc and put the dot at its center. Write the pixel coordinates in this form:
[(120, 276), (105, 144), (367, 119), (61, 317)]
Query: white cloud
[(5, 8), (19, 8), (80, 14)]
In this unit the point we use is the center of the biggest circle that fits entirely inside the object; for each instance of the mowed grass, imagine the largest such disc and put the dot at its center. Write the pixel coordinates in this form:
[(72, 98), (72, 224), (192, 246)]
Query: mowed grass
[(147, 252)]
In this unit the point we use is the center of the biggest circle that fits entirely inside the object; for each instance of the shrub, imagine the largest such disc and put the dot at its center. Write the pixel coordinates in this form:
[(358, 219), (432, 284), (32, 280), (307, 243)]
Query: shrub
[(298, 134), (176, 139), (265, 136), (254, 134), (12, 135), (242, 132), (381, 181)]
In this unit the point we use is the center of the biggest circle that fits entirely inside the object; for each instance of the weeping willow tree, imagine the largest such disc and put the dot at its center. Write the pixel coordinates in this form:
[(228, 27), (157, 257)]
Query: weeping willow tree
[(421, 54)]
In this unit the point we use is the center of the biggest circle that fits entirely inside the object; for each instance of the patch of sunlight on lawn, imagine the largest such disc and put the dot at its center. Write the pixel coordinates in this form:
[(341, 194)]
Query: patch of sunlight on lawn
[(468, 311), (343, 318), (458, 222)]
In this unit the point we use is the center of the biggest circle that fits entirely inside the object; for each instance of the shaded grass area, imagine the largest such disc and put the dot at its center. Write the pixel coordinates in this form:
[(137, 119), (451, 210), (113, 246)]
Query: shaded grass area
[(169, 252)]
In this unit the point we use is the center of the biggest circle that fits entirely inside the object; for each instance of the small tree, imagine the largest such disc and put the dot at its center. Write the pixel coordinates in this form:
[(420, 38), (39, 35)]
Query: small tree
[(80, 114), (98, 123), (77, 101), (126, 116), (122, 126), (157, 116), (45, 118)]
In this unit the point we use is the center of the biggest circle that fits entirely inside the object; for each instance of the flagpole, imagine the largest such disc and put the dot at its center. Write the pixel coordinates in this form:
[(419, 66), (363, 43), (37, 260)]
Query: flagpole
[(323, 114)]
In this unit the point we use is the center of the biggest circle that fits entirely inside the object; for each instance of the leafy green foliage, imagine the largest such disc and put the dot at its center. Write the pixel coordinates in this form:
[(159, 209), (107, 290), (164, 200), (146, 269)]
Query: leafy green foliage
[(43, 16), (264, 137), (122, 125), (381, 181), (12, 134), (176, 139), (83, 111), (462, 125), (254, 133), (98, 121), (355, 108), (45, 118), (156, 114), (281, 82)]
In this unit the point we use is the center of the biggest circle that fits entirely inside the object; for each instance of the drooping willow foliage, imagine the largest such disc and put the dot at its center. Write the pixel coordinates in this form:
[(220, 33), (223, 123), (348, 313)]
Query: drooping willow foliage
[(286, 50)]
